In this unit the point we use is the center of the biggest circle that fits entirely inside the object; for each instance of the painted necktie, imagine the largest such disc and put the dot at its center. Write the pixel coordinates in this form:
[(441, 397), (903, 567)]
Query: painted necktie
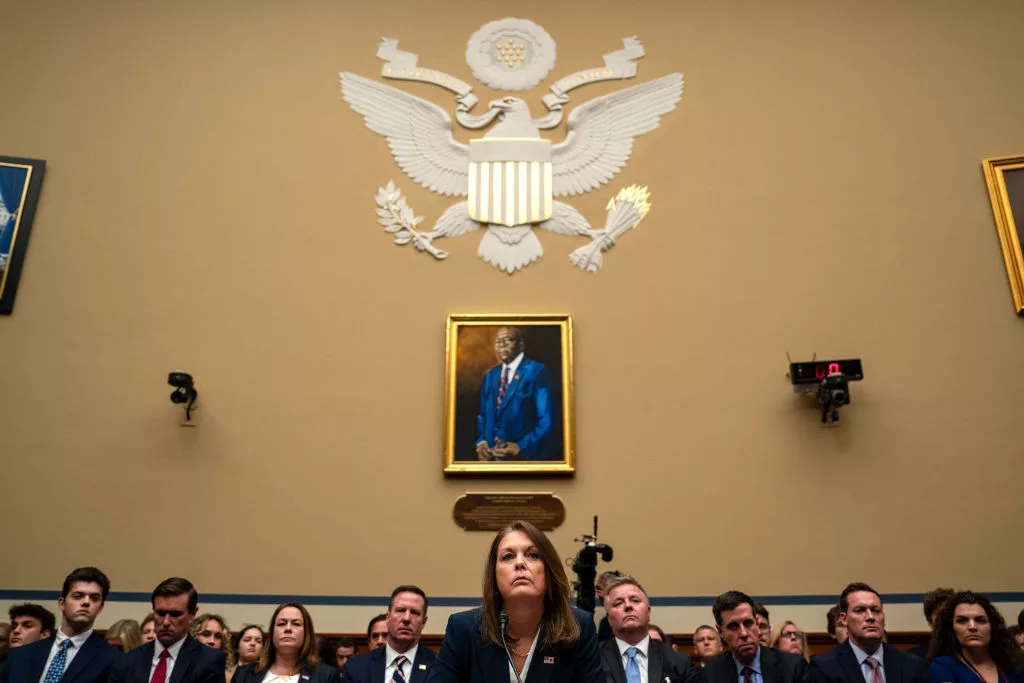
[(502, 386)]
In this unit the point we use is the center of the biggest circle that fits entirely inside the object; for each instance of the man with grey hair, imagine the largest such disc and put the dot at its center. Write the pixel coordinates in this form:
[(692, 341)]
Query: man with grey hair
[(706, 643), (632, 656)]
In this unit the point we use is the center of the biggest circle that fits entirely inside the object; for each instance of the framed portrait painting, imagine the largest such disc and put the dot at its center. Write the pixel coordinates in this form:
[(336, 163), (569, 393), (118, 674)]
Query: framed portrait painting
[(1005, 179), (20, 180), (508, 395)]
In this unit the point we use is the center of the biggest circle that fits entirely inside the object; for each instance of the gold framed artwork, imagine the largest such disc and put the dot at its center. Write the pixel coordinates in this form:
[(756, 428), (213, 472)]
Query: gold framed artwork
[(509, 394), (1005, 179), (20, 182)]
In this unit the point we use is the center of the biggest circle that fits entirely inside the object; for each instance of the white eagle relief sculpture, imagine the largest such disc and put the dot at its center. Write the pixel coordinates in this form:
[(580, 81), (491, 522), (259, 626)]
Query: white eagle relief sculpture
[(510, 177)]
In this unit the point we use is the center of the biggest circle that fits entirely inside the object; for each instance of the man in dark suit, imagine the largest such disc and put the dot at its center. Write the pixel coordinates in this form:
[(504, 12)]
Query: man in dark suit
[(29, 623), (175, 656), (76, 654), (864, 658), (632, 656), (746, 661), (516, 406), (401, 660)]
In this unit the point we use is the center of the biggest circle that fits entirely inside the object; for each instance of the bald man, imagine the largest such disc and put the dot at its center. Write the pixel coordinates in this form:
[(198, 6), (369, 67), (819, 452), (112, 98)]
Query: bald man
[(516, 405)]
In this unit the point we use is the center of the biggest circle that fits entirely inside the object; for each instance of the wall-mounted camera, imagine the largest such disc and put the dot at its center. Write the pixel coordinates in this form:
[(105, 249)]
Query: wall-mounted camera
[(829, 380), (184, 392)]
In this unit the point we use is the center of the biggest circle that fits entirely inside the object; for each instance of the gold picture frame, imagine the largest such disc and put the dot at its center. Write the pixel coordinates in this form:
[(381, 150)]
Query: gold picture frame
[(1005, 179), (509, 394)]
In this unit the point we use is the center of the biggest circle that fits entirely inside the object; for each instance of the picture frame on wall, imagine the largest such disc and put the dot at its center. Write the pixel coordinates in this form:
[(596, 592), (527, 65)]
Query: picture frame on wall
[(1005, 179), (20, 182), (509, 394)]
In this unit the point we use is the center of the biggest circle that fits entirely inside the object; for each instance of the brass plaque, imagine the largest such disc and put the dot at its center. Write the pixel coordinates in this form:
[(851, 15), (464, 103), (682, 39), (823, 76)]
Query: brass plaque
[(494, 511)]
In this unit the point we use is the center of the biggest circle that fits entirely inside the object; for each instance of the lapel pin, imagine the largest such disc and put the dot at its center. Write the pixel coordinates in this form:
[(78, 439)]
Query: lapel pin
[(305, 677), (549, 660), (423, 667)]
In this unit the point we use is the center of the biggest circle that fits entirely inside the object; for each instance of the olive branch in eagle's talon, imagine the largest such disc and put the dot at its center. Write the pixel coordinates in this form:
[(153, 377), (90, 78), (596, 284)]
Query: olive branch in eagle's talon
[(398, 218)]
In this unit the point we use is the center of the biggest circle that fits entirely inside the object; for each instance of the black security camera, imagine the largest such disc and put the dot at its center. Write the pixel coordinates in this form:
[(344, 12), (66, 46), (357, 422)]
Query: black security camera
[(185, 391)]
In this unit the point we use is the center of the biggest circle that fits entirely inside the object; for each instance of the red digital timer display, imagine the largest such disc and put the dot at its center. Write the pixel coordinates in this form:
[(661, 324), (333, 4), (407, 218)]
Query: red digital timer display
[(815, 371)]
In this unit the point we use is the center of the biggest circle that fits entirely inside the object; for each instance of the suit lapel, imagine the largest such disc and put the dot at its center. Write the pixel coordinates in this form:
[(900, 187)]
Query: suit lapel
[(770, 672), (186, 655), (613, 661), (848, 662), (728, 663), (493, 663), (83, 658), (544, 662), (39, 655), (419, 675), (655, 662), (140, 670), (378, 662), (892, 664)]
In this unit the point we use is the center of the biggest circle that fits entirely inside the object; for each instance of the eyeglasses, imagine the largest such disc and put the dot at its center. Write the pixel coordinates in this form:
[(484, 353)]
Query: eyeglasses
[(797, 635), (505, 341), (764, 627)]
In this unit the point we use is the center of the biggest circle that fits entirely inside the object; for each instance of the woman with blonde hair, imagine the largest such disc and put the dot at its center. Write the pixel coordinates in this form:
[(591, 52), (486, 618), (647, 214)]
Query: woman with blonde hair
[(211, 630), (125, 635), (289, 653), (789, 638), (526, 607)]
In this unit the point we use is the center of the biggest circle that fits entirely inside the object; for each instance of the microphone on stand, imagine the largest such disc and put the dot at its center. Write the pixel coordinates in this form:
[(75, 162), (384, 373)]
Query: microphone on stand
[(503, 617)]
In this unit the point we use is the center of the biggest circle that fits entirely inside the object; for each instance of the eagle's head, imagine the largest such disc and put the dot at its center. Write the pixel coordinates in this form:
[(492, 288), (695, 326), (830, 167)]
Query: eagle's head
[(509, 105)]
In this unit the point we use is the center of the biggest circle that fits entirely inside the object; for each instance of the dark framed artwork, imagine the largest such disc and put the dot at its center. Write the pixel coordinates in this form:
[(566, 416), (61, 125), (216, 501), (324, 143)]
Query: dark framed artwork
[(20, 180), (1005, 179), (509, 395)]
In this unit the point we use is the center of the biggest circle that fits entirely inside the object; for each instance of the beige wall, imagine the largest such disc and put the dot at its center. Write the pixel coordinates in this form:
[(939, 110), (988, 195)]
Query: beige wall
[(208, 207)]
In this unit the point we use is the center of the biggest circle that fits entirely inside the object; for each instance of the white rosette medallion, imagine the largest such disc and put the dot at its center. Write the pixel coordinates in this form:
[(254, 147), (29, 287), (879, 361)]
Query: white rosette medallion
[(510, 54)]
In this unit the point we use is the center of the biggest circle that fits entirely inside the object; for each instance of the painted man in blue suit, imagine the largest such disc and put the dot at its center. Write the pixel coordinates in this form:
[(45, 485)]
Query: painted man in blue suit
[(76, 653), (515, 419)]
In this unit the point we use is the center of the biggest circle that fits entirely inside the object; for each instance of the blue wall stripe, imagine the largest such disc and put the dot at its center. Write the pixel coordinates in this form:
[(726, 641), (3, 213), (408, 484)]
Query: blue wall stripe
[(372, 601)]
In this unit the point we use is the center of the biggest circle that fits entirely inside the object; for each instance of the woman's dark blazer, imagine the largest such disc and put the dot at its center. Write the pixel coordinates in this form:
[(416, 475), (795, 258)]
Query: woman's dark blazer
[(320, 674), (466, 657)]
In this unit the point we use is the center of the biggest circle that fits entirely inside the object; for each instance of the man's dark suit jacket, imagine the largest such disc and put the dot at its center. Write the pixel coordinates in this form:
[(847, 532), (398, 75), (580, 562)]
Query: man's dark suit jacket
[(196, 663), (369, 667), (839, 665), (319, 674), (466, 657), (91, 664), (664, 665), (776, 667)]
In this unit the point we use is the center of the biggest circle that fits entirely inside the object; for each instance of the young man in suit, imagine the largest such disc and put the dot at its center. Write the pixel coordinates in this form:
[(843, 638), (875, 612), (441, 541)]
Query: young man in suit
[(516, 406), (632, 656), (747, 661), (864, 658), (175, 656), (29, 623), (76, 654), (401, 660)]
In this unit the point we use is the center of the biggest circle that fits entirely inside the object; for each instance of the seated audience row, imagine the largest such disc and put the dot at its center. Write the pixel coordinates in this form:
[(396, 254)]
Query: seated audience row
[(526, 624)]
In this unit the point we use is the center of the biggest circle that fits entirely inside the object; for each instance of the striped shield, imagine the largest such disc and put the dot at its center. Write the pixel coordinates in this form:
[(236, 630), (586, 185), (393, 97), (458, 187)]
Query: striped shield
[(510, 180)]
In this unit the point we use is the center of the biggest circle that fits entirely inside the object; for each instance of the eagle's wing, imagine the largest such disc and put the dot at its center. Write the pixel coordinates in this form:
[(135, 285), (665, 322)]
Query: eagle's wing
[(418, 132), (601, 133), (566, 220)]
